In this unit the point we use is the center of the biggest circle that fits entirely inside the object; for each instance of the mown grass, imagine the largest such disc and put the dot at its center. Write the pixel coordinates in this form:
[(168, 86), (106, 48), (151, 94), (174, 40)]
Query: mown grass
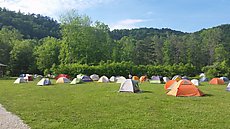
[(100, 106)]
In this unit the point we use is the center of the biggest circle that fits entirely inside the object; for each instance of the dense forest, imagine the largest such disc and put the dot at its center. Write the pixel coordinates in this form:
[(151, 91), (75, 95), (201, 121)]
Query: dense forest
[(31, 43)]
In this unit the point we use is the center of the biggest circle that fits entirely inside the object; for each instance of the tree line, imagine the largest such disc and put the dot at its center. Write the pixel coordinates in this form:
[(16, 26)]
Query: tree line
[(80, 40)]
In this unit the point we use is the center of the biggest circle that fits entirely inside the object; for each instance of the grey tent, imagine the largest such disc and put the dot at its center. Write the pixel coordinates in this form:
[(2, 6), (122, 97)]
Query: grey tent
[(44, 81), (129, 86), (155, 79), (225, 79), (103, 79), (203, 79), (20, 80), (94, 77)]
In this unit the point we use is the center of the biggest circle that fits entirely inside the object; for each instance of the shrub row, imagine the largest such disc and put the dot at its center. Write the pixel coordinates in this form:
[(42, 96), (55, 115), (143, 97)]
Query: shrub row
[(126, 68)]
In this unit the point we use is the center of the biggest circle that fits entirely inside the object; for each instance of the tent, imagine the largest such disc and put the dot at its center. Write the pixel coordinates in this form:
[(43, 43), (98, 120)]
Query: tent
[(63, 80), (203, 79), (44, 81), (76, 81), (85, 78), (62, 75), (28, 77), (228, 87), (136, 78), (195, 82), (202, 75), (94, 77), (120, 79), (113, 79), (185, 88), (166, 79), (80, 75), (225, 79), (216, 81), (155, 79), (170, 84), (129, 86), (185, 77), (103, 79), (143, 78), (20, 80), (177, 78)]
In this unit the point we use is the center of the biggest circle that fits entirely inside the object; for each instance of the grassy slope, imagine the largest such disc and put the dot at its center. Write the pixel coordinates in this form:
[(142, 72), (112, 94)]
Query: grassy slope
[(97, 105)]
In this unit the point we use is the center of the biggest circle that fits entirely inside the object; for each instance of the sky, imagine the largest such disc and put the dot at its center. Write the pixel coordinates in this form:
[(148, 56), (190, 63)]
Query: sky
[(181, 15)]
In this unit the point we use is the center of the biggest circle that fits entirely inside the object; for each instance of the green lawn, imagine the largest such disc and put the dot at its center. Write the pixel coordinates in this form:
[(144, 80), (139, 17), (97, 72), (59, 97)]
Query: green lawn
[(98, 106)]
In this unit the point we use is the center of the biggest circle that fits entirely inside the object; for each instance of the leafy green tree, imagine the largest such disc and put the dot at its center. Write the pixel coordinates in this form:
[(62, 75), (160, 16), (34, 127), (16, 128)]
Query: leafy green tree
[(21, 57), (82, 42), (127, 51), (47, 53), (144, 52), (7, 36), (210, 39)]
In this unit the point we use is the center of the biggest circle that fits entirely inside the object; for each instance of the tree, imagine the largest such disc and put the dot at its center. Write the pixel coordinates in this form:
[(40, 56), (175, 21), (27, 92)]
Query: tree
[(144, 52), (127, 48), (47, 53), (210, 39), (7, 36), (82, 42), (21, 57)]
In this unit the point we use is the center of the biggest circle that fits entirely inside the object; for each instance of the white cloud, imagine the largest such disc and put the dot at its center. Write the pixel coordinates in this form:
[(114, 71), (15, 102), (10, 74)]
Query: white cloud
[(126, 24), (52, 8)]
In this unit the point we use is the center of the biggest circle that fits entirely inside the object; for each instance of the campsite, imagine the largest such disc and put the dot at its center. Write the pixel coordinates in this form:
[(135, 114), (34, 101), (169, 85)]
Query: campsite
[(100, 105), (114, 64)]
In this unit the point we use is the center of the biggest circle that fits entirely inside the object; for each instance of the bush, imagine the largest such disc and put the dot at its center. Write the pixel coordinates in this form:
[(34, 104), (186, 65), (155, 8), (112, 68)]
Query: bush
[(124, 69)]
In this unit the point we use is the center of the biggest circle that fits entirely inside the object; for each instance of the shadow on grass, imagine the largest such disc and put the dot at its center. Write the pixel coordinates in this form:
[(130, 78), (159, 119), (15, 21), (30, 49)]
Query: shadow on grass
[(207, 95), (145, 91)]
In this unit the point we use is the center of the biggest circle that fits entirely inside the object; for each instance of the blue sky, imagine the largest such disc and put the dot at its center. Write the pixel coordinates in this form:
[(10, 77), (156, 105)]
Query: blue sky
[(182, 15)]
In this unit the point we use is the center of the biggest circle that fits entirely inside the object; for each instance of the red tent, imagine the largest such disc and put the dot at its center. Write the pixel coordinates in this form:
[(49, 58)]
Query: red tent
[(62, 75)]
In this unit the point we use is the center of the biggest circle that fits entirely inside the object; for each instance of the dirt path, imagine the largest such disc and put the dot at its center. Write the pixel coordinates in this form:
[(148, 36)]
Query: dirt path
[(10, 121)]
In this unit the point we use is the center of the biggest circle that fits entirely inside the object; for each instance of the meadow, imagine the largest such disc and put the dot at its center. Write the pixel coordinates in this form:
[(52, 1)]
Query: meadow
[(100, 106)]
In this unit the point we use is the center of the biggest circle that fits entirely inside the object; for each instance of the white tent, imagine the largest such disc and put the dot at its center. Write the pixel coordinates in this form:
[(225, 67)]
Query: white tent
[(20, 80), (44, 81), (195, 82), (166, 79), (94, 77), (202, 75), (103, 79), (120, 79), (228, 87), (129, 86), (63, 80), (80, 75), (113, 79)]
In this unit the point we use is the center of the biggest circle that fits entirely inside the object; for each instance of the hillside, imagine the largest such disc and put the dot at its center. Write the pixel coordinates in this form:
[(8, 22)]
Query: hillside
[(30, 25)]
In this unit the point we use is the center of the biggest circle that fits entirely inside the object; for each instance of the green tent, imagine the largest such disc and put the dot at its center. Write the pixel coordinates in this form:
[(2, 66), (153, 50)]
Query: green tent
[(76, 81)]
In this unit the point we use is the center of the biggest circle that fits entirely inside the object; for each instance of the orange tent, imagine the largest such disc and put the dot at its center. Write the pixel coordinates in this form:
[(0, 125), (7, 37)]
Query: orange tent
[(185, 88), (169, 84), (136, 78), (143, 78), (216, 81)]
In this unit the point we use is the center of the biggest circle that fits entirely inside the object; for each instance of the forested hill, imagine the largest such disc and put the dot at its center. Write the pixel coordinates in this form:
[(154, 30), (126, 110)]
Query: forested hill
[(142, 33), (32, 26), (31, 43)]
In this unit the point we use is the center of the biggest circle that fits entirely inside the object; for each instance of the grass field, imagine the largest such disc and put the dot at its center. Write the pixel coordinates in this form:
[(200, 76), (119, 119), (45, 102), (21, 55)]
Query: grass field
[(100, 106)]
